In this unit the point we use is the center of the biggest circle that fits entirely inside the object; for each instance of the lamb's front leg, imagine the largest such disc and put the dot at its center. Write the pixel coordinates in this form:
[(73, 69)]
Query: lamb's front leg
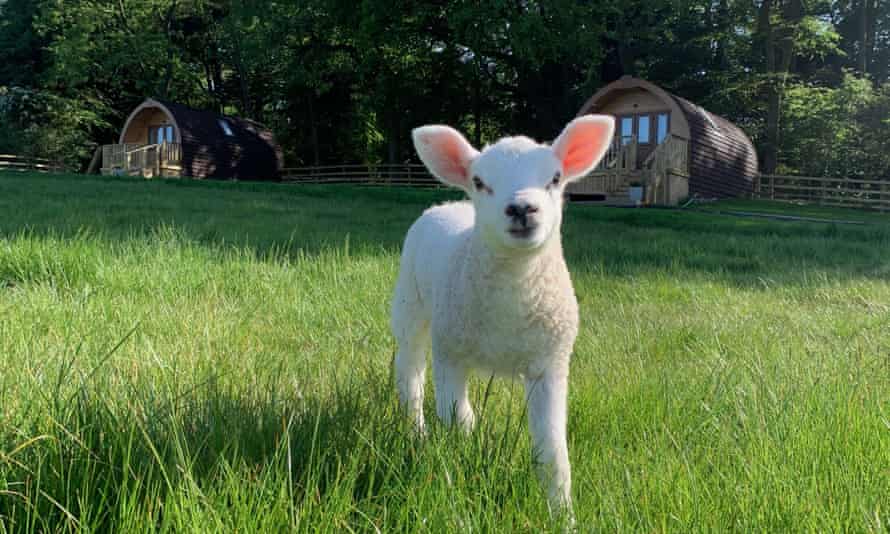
[(452, 397), (546, 396)]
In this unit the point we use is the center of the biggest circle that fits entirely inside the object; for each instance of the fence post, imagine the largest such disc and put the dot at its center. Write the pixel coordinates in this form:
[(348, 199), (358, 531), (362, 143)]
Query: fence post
[(772, 186)]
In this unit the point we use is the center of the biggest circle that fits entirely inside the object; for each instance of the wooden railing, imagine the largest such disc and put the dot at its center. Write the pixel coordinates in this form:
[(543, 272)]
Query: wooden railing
[(400, 174), (613, 173), (601, 183), (115, 156), (145, 160), (672, 155), (144, 157), (170, 154), (27, 163), (620, 157), (839, 192)]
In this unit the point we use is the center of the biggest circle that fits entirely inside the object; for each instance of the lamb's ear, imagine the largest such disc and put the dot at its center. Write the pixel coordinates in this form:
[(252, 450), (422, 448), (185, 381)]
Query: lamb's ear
[(583, 143), (445, 153)]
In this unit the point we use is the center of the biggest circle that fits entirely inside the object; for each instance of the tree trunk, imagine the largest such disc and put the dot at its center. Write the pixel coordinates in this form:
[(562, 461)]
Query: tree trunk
[(211, 85), (242, 81), (164, 90), (218, 84), (723, 23), (779, 50), (313, 128), (625, 54), (866, 31), (392, 140), (870, 31), (477, 107), (626, 59), (771, 146)]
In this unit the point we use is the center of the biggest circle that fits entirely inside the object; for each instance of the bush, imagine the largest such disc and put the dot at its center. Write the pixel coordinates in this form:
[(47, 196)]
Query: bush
[(837, 131), (38, 123)]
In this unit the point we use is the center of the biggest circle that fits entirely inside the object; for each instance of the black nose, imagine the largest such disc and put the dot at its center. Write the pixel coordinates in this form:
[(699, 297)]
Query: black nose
[(519, 212)]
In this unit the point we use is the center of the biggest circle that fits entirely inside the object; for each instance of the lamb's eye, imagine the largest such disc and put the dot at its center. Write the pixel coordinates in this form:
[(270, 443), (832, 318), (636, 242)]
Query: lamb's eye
[(556, 178), (480, 185)]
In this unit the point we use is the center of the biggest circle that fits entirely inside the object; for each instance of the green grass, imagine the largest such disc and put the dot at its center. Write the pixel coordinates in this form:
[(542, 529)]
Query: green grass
[(796, 209), (215, 357)]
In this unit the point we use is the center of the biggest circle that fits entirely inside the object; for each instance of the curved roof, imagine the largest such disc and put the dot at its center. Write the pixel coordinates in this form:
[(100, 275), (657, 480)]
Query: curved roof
[(723, 160), (218, 145), (148, 104), (624, 83)]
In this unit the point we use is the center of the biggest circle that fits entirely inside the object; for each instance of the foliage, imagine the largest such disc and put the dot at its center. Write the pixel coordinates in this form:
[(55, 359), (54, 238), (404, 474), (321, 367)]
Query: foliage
[(845, 126), (40, 123), (342, 80)]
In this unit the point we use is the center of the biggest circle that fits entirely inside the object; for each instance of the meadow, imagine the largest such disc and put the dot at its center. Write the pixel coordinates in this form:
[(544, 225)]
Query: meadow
[(180, 356)]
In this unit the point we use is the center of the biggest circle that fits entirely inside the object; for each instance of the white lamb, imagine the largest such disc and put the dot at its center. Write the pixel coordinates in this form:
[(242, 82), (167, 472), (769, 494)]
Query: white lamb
[(485, 281)]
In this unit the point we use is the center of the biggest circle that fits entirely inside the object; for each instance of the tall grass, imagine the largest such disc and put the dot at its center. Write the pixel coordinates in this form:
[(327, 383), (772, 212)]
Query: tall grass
[(182, 356)]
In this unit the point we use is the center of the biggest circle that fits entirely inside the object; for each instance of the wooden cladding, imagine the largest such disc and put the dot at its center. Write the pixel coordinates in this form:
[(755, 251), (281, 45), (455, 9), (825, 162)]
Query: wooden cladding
[(722, 160)]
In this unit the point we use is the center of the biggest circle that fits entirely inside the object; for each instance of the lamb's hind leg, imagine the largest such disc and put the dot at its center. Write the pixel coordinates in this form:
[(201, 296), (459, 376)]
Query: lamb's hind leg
[(413, 337)]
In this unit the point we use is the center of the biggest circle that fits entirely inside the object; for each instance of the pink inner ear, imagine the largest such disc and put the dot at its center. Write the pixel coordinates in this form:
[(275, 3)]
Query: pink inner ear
[(452, 158), (445, 152), (583, 144)]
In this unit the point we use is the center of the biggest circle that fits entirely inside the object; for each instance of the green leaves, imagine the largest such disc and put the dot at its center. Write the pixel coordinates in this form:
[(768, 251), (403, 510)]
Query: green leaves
[(836, 131), (346, 80)]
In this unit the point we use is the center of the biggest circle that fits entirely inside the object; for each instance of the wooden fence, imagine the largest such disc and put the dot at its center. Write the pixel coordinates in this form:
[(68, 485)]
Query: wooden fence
[(840, 192), (407, 174), (25, 163)]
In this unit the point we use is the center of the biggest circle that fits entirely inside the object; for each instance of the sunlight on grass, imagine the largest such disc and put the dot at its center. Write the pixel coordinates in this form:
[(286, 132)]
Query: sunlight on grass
[(216, 357)]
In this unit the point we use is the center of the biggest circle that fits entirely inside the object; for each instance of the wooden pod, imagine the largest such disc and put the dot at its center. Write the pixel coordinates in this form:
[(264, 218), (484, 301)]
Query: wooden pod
[(722, 161)]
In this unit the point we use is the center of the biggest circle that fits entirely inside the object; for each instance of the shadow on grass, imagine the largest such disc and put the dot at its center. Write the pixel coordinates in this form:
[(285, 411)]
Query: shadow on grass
[(297, 219), (100, 456), (275, 219)]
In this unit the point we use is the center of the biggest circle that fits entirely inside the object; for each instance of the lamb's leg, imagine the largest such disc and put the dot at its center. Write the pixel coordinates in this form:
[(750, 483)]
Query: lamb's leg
[(452, 397), (413, 336), (546, 397)]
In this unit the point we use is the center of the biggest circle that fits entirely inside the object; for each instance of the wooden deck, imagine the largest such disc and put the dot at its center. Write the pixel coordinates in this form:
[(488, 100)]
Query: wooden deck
[(661, 173), (147, 161)]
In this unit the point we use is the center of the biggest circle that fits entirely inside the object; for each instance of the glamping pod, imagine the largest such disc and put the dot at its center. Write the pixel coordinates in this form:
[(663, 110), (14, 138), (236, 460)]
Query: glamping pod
[(172, 140), (666, 145)]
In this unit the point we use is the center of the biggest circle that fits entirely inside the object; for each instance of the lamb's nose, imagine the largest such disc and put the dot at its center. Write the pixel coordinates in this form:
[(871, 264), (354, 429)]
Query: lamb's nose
[(520, 212)]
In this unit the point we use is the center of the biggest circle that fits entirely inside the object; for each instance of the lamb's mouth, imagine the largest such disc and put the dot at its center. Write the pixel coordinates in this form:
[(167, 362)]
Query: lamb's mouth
[(524, 232)]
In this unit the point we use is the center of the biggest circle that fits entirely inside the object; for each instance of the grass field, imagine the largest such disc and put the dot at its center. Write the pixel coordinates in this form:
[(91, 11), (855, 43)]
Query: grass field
[(215, 357)]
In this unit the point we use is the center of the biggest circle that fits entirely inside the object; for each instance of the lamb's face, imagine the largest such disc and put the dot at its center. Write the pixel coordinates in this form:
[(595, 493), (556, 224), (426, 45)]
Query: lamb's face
[(516, 187), (516, 184)]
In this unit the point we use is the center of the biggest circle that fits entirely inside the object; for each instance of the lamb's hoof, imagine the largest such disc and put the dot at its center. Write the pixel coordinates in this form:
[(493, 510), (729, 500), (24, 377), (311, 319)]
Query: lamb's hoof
[(420, 430), (564, 513)]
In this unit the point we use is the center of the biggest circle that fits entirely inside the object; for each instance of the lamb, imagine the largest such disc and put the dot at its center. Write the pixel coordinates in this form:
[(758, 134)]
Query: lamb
[(484, 282)]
